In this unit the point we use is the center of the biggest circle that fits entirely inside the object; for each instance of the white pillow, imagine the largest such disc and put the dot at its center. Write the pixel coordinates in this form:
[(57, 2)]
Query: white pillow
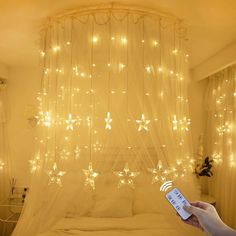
[(112, 202), (82, 203)]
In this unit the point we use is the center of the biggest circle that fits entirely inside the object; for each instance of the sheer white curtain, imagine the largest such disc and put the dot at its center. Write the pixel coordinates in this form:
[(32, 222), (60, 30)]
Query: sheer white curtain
[(221, 141), (99, 64), (4, 161)]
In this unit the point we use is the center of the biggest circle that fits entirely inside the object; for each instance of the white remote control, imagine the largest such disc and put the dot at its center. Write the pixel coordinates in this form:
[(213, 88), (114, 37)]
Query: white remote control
[(177, 200)]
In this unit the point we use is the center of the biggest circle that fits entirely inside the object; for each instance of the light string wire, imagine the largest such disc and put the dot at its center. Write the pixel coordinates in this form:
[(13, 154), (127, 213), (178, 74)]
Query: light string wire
[(92, 101), (110, 66), (71, 65), (127, 79), (143, 62), (56, 104)]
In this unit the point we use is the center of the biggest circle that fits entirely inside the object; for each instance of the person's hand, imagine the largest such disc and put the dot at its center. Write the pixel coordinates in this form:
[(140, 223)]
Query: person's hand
[(205, 217)]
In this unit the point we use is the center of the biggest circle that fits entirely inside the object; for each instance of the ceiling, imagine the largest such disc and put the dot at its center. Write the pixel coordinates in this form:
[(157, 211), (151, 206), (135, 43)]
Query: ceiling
[(211, 25)]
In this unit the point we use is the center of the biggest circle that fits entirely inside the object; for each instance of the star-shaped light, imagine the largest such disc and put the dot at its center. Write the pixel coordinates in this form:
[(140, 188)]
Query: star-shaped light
[(70, 122), (46, 119), (143, 123), (185, 123), (97, 146), (64, 155), (156, 172), (126, 177), (108, 121), (2, 164), (55, 175), (35, 164), (90, 176), (175, 123)]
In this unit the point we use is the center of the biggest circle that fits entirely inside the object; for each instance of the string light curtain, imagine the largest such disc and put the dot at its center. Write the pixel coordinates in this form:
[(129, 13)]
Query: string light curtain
[(113, 101), (221, 114)]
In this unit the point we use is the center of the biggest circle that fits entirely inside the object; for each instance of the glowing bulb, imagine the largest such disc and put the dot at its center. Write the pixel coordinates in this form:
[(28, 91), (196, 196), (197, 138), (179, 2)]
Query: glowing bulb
[(46, 120), (148, 69), (2, 164), (35, 164), (108, 121), (175, 51), (113, 38), (70, 122), (42, 53), (95, 39), (160, 69), (124, 40), (68, 43), (90, 175), (175, 123), (56, 48), (143, 123), (155, 43), (126, 177), (55, 175)]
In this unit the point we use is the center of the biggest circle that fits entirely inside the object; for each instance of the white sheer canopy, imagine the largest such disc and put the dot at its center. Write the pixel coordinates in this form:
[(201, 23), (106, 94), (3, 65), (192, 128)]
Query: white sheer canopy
[(220, 101), (113, 105), (4, 161)]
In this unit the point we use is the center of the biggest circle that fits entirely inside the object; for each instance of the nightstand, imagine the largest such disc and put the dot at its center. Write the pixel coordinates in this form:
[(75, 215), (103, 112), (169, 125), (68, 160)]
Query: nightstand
[(208, 199), (10, 211)]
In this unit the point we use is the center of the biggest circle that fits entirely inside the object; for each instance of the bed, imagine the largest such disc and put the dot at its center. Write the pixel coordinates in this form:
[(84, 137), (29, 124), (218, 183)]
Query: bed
[(113, 211), (138, 225)]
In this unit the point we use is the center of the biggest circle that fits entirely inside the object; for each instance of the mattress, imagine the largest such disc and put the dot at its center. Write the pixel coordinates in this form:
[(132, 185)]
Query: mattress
[(138, 225)]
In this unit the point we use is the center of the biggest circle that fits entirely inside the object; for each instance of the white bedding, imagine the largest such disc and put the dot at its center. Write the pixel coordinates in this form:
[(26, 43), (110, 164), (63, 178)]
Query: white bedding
[(138, 225)]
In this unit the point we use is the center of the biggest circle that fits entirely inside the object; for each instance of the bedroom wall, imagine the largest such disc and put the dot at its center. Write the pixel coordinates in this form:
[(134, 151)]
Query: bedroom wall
[(23, 85)]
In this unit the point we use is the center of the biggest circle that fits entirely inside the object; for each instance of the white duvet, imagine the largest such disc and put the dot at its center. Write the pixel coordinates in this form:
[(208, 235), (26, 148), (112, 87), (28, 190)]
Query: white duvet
[(143, 224)]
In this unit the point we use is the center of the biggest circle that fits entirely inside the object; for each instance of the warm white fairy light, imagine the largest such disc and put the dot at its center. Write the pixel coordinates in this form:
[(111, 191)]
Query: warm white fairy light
[(70, 122), (77, 152), (126, 177), (217, 157), (42, 53), (55, 175), (143, 123), (124, 40), (46, 119), (2, 164), (160, 69), (121, 67), (95, 39), (35, 164), (64, 154), (88, 119), (184, 124), (68, 43), (155, 43), (108, 121), (225, 128), (97, 147), (175, 51), (56, 48), (175, 123), (148, 69), (90, 175), (76, 71), (78, 121), (156, 172)]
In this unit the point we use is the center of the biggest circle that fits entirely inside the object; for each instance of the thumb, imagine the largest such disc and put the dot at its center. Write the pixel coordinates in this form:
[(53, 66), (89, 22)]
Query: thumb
[(193, 210)]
